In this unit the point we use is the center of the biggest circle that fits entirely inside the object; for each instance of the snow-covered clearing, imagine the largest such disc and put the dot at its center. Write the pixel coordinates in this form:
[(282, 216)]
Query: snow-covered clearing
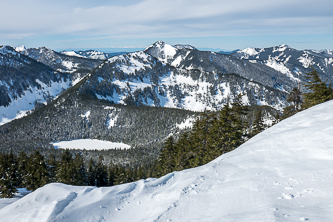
[(90, 144), (283, 174)]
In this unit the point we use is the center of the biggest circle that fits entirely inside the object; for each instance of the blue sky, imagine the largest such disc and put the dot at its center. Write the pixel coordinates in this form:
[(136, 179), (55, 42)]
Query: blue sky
[(217, 24)]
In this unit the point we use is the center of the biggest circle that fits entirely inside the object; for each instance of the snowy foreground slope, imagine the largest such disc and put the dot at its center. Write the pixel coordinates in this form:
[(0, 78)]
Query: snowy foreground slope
[(282, 174)]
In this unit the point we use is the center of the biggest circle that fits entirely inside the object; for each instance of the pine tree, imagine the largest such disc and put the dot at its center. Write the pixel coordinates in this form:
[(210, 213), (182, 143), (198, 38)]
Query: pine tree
[(224, 137), (80, 176), (165, 158), (320, 92), (199, 138), (295, 102), (91, 176), (241, 125), (258, 124), (120, 178), (37, 174), (8, 173), (277, 119), (101, 173), (66, 168), (52, 165), (22, 166)]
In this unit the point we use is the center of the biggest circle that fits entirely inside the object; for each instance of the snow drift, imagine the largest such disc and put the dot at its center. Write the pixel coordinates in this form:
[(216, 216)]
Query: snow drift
[(282, 174)]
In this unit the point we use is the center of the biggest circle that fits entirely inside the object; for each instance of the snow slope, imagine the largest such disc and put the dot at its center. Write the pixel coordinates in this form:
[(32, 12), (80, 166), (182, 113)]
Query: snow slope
[(283, 174)]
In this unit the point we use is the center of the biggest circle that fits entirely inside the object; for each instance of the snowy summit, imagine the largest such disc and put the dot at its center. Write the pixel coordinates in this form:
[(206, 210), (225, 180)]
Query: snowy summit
[(282, 174)]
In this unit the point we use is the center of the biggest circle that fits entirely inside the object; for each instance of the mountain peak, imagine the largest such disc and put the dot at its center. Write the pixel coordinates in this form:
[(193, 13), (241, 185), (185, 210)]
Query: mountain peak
[(162, 51), (181, 46), (159, 42), (20, 48), (284, 46)]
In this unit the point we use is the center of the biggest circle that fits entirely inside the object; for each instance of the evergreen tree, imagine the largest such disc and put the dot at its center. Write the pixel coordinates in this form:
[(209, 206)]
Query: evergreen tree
[(66, 168), (52, 166), (8, 175), (37, 174), (22, 166), (176, 158), (120, 178), (111, 175), (80, 176), (224, 137), (199, 139), (91, 176), (320, 92), (101, 173), (258, 124), (241, 125), (165, 158), (295, 102)]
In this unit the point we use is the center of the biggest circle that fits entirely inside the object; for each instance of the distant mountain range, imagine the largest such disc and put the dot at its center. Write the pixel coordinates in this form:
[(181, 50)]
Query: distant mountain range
[(63, 88), (289, 61), (177, 76)]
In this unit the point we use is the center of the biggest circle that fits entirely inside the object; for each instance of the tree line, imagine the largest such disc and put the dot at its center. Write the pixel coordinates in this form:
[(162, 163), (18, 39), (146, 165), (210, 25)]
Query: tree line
[(35, 171), (213, 134)]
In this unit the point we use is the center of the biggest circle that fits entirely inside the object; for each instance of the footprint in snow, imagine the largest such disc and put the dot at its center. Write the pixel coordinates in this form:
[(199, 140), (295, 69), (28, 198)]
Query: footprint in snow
[(287, 196)]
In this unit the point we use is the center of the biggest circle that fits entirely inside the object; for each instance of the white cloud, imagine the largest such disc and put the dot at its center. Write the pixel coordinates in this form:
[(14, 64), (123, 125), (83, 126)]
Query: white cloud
[(173, 18)]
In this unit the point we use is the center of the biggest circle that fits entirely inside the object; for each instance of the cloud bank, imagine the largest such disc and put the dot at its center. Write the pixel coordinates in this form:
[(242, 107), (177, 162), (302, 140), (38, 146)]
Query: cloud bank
[(173, 18)]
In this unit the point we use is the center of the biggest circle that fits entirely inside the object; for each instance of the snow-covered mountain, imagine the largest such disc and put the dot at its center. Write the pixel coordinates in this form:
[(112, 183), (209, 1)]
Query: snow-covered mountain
[(24, 82), (291, 62), (61, 62), (32, 76), (282, 174), (177, 76), (90, 54), (163, 75)]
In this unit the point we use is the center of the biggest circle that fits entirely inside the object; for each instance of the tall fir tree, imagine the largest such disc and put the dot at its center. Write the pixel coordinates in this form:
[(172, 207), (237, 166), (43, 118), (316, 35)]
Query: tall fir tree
[(8, 175), (37, 173), (66, 169), (52, 165), (258, 124), (319, 91), (223, 136), (80, 176), (295, 101), (91, 176), (22, 166), (101, 173), (165, 158)]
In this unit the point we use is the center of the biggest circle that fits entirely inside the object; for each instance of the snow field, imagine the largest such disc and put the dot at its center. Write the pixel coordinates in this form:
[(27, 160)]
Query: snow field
[(90, 144)]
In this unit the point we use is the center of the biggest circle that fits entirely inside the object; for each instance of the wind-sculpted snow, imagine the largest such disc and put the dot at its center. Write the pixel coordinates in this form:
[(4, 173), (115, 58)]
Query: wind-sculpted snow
[(282, 174)]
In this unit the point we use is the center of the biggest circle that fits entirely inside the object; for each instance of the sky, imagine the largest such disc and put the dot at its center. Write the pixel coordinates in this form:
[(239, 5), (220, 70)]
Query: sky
[(129, 24)]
